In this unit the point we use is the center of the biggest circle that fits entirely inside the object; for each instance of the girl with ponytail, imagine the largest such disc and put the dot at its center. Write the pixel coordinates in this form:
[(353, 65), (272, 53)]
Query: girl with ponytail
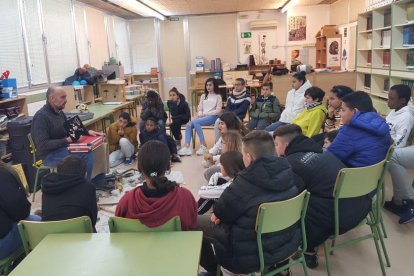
[(158, 199)]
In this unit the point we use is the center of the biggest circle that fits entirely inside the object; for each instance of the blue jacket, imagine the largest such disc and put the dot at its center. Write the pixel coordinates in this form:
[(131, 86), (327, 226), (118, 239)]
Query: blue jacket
[(362, 142)]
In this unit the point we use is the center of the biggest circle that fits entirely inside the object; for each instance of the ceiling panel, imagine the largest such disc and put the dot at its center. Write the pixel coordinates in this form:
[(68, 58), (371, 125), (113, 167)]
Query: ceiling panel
[(113, 9)]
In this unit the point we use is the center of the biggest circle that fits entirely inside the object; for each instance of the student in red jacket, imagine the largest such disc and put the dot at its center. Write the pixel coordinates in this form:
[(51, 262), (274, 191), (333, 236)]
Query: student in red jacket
[(158, 199)]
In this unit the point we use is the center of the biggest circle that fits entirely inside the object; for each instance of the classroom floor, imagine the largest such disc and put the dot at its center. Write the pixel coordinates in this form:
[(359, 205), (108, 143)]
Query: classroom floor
[(360, 259)]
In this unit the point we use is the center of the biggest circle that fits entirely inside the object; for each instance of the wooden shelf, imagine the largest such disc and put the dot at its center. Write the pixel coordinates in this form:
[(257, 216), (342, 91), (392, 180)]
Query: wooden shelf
[(404, 24), (365, 32), (383, 28)]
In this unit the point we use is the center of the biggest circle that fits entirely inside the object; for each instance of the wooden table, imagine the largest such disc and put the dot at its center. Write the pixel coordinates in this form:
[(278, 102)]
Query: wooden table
[(151, 253), (135, 99)]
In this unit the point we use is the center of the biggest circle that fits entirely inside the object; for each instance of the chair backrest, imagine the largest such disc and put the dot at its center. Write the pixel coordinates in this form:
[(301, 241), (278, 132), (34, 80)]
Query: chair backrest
[(33, 232), (32, 147), (280, 215), (119, 225), (355, 182)]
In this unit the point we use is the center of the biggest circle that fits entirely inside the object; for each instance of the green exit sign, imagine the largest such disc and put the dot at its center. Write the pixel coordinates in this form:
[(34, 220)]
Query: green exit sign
[(174, 18), (246, 35)]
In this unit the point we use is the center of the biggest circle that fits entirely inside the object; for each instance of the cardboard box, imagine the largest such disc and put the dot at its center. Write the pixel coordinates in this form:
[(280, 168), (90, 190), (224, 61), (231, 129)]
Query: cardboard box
[(118, 69), (112, 92)]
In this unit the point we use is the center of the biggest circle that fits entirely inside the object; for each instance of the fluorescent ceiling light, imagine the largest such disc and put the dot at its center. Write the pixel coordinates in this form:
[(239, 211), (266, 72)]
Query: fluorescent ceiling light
[(138, 7), (289, 5)]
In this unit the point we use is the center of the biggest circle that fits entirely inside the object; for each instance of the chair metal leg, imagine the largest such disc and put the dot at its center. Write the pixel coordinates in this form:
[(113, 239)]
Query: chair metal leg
[(384, 249), (384, 232), (377, 247), (332, 245), (35, 184), (327, 258), (305, 268)]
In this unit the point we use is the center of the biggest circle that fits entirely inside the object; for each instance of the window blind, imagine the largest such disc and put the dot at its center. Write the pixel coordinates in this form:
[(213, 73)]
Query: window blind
[(144, 48), (81, 35), (60, 37), (122, 43), (98, 44), (11, 43)]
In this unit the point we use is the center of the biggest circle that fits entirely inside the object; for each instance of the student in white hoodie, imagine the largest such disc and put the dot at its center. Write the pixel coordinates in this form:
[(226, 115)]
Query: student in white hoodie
[(208, 111), (401, 122), (295, 101)]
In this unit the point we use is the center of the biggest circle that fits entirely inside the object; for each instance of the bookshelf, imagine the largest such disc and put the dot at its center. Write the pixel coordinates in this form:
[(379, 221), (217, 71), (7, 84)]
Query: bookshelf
[(385, 48), (322, 48), (148, 81)]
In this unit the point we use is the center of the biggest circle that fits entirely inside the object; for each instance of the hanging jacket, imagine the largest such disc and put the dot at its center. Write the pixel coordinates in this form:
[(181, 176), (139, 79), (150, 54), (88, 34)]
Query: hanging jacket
[(364, 141), (401, 123), (266, 108), (311, 120), (130, 132), (68, 196), (295, 103), (154, 208), (267, 179), (239, 103), (14, 205), (318, 171), (179, 111)]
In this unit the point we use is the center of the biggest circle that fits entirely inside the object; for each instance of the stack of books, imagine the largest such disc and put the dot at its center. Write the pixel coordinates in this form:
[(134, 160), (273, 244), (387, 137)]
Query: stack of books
[(408, 36), (385, 39), (410, 59), (367, 81), (386, 58)]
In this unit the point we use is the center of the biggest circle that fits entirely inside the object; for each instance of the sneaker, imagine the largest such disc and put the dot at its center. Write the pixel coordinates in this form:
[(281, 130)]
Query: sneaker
[(185, 151), (393, 208), (128, 161), (407, 215), (311, 260), (175, 158), (201, 150)]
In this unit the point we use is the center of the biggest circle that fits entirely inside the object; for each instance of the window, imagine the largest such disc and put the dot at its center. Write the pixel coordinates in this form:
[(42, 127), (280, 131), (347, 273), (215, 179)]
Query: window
[(122, 43), (81, 35), (98, 43), (144, 48), (11, 46)]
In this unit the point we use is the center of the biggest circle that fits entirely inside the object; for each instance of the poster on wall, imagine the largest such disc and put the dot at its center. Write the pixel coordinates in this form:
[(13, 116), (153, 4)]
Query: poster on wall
[(297, 28), (334, 52)]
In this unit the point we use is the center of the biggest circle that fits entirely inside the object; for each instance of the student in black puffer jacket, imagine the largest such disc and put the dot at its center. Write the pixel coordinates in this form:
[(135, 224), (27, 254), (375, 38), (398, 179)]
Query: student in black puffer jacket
[(318, 170), (267, 178), (180, 113)]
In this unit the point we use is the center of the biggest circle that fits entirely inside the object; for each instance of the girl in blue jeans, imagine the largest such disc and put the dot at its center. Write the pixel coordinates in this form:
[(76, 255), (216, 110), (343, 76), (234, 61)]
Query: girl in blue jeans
[(14, 207), (208, 110)]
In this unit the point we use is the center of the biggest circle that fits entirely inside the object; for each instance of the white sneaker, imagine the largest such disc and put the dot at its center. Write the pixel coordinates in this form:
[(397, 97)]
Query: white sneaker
[(201, 150), (185, 151)]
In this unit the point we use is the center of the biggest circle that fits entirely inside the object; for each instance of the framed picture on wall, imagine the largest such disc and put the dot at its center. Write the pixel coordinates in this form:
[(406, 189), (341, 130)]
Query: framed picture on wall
[(334, 52), (297, 28)]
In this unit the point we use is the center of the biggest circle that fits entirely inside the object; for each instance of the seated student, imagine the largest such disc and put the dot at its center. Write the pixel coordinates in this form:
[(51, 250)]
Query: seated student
[(401, 120), (295, 100), (364, 138), (310, 120), (153, 132), (180, 113), (318, 171), (67, 194), (14, 207), (333, 118), (329, 138), (230, 141), (237, 102), (265, 110), (267, 178), (401, 117), (231, 163), (122, 140), (153, 106), (158, 199), (208, 111), (49, 134)]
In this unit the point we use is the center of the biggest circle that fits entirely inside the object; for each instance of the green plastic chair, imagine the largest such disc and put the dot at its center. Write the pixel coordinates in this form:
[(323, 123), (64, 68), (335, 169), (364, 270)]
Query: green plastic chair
[(356, 182), (125, 225), (277, 216), (33, 232), (37, 164), (6, 262)]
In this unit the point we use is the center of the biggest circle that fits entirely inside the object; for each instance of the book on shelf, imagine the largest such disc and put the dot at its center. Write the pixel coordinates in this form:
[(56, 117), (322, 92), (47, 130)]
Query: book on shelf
[(385, 39), (386, 58), (387, 18), (369, 58), (408, 36), (410, 59), (369, 23), (386, 85), (369, 41), (367, 81)]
